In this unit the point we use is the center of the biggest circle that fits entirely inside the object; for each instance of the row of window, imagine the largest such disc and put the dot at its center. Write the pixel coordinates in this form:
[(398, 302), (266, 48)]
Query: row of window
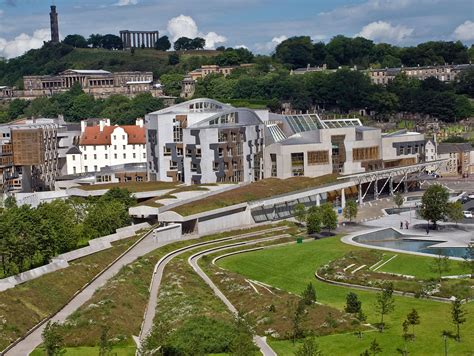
[(106, 156), (365, 153), (124, 147)]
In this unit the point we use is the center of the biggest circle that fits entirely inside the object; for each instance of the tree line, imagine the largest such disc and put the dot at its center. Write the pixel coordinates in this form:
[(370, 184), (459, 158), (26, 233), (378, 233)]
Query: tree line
[(76, 105), (32, 236), (299, 51), (343, 90)]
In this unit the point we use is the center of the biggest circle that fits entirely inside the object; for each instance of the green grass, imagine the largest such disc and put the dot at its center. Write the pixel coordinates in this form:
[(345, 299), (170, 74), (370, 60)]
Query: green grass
[(292, 268), (421, 267), (258, 190), (28, 303), (87, 351), (132, 186)]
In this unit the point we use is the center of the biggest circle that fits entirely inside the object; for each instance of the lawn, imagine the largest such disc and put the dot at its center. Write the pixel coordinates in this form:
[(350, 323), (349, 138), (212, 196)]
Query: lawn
[(87, 351), (292, 268), (258, 190), (132, 186), (28, 303)]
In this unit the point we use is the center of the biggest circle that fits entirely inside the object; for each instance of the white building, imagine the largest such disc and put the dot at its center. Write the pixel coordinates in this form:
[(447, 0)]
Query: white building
[(102, 145), (204, 141)]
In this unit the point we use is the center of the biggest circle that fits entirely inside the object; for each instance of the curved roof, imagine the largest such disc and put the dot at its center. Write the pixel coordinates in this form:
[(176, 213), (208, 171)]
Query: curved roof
[(195, 105), (232, 116)]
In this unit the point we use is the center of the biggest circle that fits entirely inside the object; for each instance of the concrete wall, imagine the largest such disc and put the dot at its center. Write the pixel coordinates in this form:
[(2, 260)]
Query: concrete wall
[(168, 233), (219, 222), (61, 261)]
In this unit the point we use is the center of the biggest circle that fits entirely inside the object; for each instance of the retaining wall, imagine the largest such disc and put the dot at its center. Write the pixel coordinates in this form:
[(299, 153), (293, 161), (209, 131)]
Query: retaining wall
[(61, 261)]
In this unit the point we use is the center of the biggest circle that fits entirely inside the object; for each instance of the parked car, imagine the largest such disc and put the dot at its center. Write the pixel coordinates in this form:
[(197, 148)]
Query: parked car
[(467, 214), (471, 196)]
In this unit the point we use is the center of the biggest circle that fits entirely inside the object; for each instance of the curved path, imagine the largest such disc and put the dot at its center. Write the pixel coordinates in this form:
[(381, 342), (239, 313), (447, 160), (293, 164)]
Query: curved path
[(193, 260), (154, 288), (32, 339)]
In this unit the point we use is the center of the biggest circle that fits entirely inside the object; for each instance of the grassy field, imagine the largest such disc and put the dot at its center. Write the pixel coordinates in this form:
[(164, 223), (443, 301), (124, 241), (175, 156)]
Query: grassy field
[(121, 302), (132, 186), (258, 190), (26, 304), (292, 268), (87, 351)]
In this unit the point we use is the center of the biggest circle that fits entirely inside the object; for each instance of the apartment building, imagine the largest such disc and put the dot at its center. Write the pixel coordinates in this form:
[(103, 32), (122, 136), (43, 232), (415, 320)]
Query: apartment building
[(101, 145), (459, 155), (446, 73), (204, 141)]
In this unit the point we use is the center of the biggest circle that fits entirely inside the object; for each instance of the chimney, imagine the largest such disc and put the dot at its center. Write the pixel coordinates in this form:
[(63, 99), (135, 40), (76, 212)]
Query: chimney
[(103, 123), (83, 125), (139, 122)]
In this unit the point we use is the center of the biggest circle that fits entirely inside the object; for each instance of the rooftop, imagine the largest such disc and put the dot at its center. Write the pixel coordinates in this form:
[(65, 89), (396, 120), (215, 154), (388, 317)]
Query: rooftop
[(93, 136), (454, 148)]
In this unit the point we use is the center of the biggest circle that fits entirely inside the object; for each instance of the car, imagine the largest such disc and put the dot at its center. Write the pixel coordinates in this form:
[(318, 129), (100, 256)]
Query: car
[(467, 214), (465, 199), (471, 196)]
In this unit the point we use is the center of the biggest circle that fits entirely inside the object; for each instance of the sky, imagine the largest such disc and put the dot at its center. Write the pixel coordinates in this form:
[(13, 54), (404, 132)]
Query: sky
[(258, 25)]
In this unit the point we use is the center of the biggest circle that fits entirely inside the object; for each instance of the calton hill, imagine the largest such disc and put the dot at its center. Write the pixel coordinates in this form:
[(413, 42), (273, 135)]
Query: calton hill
[(343, 88)]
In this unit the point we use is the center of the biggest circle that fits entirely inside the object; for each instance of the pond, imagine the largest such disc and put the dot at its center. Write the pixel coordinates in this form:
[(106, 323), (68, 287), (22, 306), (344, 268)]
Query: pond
[(390, 238)]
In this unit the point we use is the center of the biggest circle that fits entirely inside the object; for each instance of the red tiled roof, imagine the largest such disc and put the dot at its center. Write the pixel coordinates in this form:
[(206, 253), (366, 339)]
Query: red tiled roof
[(93, 136)]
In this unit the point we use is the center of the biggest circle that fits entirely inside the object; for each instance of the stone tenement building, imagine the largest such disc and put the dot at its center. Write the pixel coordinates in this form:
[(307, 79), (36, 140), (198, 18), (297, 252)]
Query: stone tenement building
[(99, 83), (137, 39), (446, 73)]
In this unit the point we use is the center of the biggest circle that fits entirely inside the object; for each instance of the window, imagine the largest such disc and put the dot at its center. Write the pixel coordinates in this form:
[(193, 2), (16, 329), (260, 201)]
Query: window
[(144, 155), (124, 156), (115, 155), (115, 137), (85, 157), (95, 156), (95, 147), (74, 170), (95, 168), (167, 151), (318, 157), (139, 179), (123, 137), (297, 164), (365, 153), (106, 156), (124, 147), (193, 167), (85, 169), (198, 152), (73, 157), (221, 152), (115, 147), (134, 155), (273, 158)]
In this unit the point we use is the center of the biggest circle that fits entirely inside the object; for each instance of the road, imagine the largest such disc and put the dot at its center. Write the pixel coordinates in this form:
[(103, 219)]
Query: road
[(154, 289), (140, 248)]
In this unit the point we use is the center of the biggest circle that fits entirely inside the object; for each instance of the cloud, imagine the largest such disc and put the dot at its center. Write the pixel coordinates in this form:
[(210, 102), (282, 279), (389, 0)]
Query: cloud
[(23, 42), (465, 31), (241, 46), (185, 26), (270, 46), (126, 2), (382, 31), (10, 2)]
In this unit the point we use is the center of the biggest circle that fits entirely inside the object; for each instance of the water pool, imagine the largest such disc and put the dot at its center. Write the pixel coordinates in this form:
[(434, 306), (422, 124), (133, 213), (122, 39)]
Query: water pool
[(390, 238)]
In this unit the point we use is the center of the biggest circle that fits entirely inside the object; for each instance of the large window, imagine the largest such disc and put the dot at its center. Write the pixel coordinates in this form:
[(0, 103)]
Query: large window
[(318, 157), (273, 158), (297, 164), (365, 153)]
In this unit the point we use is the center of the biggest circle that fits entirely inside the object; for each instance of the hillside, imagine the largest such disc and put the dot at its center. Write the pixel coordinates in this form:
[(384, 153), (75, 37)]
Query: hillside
[(51, 59)]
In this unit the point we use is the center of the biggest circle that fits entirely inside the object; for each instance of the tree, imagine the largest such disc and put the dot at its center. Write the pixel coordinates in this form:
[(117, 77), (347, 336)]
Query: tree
[(297, 319), (440, 264), (375, 347), (295, 51), (95, 40), (198, 43), (163, 43), (328, 216), (105, 347), (173, 59), (406, 337), (313, 221), (413, 319), (182, 44), (309, 294), (110, 41), (454, 210), (458, 315), (16, 108), (384, 303), (299, 212), (52, 340), (242, 343), (77, 41), (309, 348), (350, 210), (353, 304), (434, 203)]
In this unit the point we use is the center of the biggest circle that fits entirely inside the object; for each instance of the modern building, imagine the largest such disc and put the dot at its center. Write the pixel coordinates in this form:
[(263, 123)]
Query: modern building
[(99, 83), (204, 141), (305, 145), (446, 73), (102, 145), (138, 39), (30, 155)]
